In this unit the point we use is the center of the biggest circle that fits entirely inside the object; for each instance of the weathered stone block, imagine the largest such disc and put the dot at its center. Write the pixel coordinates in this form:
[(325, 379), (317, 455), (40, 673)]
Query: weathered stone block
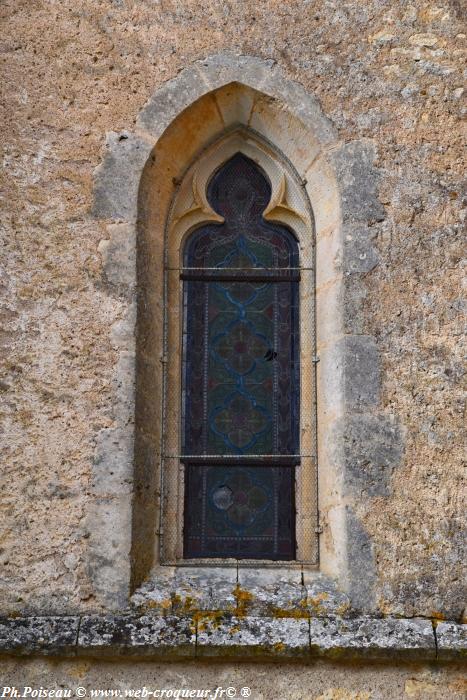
[(122, 332), (249, 577), (205, 588), (359, 254), (109, 522), (323, 599), (154, 596), (46, 635), (350, 297), (451, 640), (370, 446), (354, 300), (187, 591), (281, 599), (252, 636), (148, 635), (117, 178), (358, 180), (224, 68), (271, 592), (235, 105), (361, 564), (361, 375), (190, 595), (119, 256), (123, 388), (171, 99), (212, 588), (372, 638), (112, 473), (328, 260), (222, 597)]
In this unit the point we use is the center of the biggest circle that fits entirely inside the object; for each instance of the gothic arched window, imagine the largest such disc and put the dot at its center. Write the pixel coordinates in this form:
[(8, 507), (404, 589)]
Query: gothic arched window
[(238, 428), (240, 374)]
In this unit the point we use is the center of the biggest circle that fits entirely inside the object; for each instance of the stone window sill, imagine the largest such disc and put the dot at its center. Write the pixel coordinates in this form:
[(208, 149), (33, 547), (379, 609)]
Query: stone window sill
[(240, 590), (197, 612)]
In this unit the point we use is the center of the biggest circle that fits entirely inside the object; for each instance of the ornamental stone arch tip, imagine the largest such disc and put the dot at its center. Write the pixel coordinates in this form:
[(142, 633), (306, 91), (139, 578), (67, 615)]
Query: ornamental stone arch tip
[(359, 446)]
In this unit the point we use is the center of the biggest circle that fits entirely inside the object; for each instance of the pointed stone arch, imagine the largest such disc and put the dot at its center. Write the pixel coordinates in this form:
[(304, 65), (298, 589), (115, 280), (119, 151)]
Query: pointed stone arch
[(134, 192)]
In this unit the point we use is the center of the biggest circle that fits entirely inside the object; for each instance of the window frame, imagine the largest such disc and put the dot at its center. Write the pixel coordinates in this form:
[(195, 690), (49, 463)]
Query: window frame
[(289, 206)]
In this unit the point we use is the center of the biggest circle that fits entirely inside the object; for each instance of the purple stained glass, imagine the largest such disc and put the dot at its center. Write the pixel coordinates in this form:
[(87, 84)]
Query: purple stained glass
[(241, 368)]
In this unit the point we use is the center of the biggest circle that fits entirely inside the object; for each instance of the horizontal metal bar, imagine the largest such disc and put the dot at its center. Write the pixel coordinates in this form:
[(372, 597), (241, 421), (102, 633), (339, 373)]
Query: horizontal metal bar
[(245, 275), (232, 562), (235, 269), (220, 456), (243, 461), (229, 538)]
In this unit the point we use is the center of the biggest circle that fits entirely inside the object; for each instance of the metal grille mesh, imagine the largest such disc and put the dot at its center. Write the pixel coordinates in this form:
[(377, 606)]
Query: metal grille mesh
[(182, 465), (238, 462)]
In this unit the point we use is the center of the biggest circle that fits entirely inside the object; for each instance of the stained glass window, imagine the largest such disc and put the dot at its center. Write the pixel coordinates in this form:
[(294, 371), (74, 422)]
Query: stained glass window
[(240, 375)]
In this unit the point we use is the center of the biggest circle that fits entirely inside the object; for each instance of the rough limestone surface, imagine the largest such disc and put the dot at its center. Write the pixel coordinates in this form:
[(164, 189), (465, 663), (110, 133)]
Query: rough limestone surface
[(387, 638), (160, 636), (280, 594), (44, 635), (250, 636), (451, 640), (75, 75), (322, 680)]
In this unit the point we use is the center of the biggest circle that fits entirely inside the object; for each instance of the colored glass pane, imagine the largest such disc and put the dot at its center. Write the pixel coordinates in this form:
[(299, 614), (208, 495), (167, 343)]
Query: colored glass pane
[(240, 512), (241, 372)]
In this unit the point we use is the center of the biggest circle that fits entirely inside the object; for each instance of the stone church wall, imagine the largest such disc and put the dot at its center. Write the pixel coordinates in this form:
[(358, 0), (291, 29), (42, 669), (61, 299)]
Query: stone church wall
[(389, 77)]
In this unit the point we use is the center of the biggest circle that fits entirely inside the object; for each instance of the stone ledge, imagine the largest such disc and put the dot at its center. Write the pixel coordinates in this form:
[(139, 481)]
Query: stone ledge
[(148, 635), (43, 635), (451, 641), (372, 638), (224, 635), (253, 636)]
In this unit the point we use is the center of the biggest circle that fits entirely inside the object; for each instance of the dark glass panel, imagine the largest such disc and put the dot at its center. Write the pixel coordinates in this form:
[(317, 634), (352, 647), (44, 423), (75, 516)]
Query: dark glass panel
[(240, 512), (240, 366)]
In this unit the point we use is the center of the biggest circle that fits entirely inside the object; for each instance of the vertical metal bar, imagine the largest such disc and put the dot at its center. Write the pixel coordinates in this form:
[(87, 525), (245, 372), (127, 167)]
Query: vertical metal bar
[(163, 411), (312, 272), (275, 390), (205, 368)]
